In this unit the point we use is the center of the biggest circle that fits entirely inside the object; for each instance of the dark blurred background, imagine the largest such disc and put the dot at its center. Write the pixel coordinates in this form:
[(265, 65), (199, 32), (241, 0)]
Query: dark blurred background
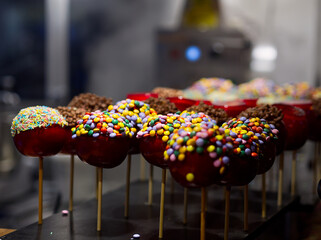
[(53, 50)]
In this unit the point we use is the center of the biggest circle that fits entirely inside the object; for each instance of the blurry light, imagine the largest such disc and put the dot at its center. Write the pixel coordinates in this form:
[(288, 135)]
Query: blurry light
[(264, 52), (193, 53), (263, 58)]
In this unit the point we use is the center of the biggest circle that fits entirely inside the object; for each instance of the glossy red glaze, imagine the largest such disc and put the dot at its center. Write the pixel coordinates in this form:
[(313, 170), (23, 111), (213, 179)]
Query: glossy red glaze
[(314, 127), (280, 142), (152, 149), (296, 126), (204, 101), (240, 171), (134, 146), (41, 141), (141, 96), (70, 144), (314, 131), (201, 165), (266, 157), (233, 108), (182, 103), (250, 102), (102, 151)]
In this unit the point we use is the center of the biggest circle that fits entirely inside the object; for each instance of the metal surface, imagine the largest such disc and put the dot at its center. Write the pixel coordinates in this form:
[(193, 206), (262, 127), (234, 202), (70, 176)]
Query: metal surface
[(81, 223)]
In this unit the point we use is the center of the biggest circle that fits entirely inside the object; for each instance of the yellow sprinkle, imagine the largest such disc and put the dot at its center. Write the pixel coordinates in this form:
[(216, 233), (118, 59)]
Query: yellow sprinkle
[(182, 149), (120, 124), (105, 125), (243, 132), (177, 125), (189, 177), (167, 133), (96, 119), (266, 125), (256, 124), (109, 120), (180, 140), (222, 170), (96, 130), (181, 157), (78, 133), (219, 137), (165, 138), (152, 133), (73, 129), (160, 131), (211, 148), (190, 148), (190, 142)]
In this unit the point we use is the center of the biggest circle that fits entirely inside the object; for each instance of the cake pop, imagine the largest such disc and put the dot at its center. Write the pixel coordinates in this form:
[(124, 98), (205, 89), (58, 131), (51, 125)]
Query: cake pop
[(133, 111), (39, 131), (71, 115), (154, 136), (102, 141)]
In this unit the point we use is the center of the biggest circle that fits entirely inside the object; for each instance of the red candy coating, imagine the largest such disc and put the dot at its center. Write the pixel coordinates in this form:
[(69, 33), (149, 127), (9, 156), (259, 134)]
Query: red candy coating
[(39, 142), (70, 144), (182, 103), (201, 165), (296, 125), (232, 108), (102, 151), (152, 148), (240, 171), (141, 96), (266, 157)]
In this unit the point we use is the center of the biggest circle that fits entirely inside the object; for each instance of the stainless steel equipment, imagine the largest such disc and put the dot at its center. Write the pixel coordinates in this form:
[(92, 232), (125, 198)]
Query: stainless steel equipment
[(186, 55)]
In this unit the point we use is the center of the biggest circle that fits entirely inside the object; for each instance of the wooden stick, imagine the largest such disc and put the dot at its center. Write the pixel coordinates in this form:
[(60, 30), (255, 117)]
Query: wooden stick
[(161, 211), (263, 196), (100, 188), (150, 185), (97, 170), (293, 173), (71, 185), (246, 208), (203, 213), (142, 168), (280, 188), (314, 167), (185, 206), (40, 193), (227, 211), (318, 161), (127, 185)]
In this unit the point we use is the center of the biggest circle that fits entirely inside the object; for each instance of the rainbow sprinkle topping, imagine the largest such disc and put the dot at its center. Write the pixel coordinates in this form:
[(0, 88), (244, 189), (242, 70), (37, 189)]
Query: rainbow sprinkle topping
[(36, 117), (106, 124)]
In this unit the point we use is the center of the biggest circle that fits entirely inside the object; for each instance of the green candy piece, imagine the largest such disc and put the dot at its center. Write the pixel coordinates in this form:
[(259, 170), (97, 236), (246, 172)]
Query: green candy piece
[(219, 150), (241, 146), (171, 129), (121, 129), (193, 133), (266, 130), (90, 132), (169, 124), (73, 132), (245, 137), (87, 127), (114, 121), (152, 122), (126, 120), (242, 153), (136, 103), (199, 150), (176, 153), (184, 138)]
